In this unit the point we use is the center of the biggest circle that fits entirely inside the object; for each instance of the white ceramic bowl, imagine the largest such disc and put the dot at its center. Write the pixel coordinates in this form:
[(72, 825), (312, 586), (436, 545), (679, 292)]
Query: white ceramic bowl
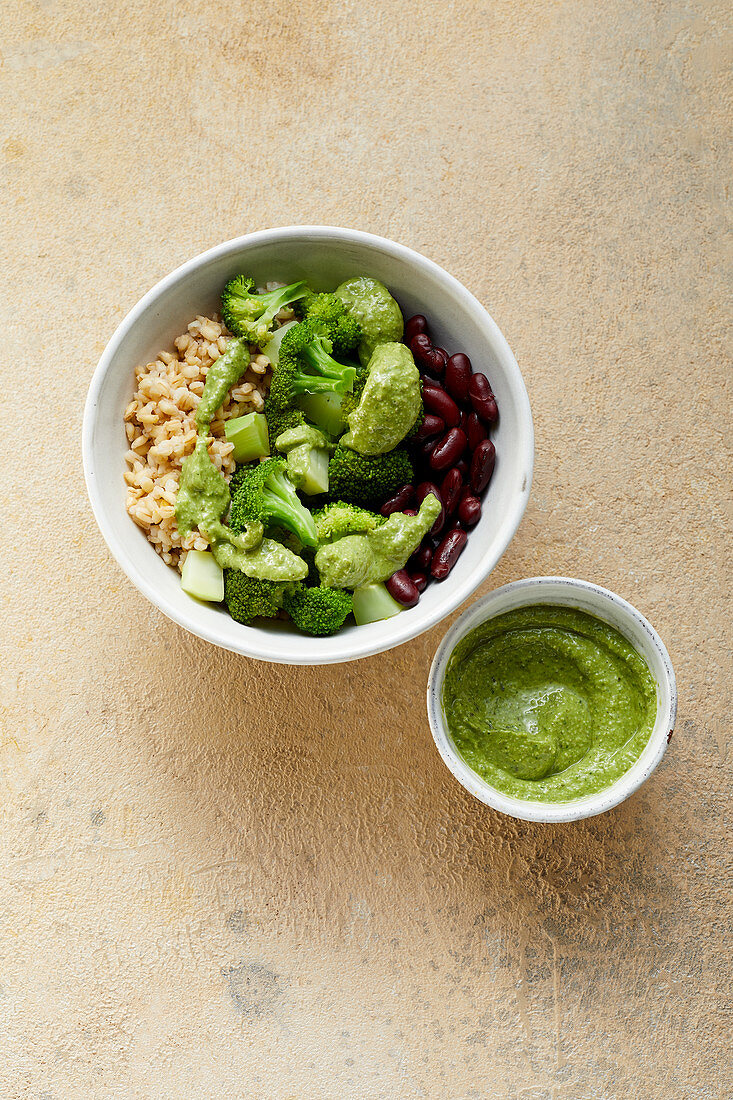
[(325, 256), (613, 610)]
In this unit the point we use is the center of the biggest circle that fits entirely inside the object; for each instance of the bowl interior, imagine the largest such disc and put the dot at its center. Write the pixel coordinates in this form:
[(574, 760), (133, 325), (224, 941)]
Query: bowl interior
[(603, 605), (324, 257)]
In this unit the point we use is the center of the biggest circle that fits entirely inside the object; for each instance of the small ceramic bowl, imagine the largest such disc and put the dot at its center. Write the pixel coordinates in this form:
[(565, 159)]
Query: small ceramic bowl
[(613, 610), (324, 255)]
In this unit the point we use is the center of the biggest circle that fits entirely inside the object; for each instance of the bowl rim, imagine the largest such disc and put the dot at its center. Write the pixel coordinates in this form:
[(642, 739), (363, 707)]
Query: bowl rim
[(411, 628), (481, 611)]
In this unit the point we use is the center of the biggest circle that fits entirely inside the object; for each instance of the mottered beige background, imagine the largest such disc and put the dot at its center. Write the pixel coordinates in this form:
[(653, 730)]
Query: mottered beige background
[(221, 879)]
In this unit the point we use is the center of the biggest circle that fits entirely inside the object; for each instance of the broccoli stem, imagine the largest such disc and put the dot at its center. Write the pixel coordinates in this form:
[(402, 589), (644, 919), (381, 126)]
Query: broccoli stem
[(284, 507), (310, 383)]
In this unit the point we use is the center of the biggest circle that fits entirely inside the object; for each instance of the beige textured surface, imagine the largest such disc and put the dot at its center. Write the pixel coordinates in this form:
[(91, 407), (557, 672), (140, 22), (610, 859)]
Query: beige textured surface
[(206, 897)]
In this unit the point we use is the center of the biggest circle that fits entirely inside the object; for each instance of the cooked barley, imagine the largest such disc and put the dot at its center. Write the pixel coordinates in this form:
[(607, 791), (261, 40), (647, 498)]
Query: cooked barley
[(161, 431)]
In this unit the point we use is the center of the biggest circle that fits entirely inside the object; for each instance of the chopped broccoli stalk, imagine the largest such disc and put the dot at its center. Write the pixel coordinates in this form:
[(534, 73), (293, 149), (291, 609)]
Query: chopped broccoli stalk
[(324, 410), (308, 470), (251, 315), (368, 480), (202, 576), (320, 611), (356, 560), (249, 598), (372, 603), (249, 435), (329, 314), (338, 519), (307, 451), (266, 493)]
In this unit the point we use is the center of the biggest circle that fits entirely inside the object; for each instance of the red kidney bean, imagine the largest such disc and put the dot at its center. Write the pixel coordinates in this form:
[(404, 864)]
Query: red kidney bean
[(424, 489), (423, 556), (421, 346), (469, 510), (482, 399), (450, 489), (437, 363), (425, 449), (482, 465), (475, 431), (398, 501), (409, 511), (441, 404), (463, 421), (426, 356), (457, 376), (420, 581), (463, 468), (449, 449), (415, 326), (431, 425), (403, 589), (447, 554), (439, 359), (456, 525)]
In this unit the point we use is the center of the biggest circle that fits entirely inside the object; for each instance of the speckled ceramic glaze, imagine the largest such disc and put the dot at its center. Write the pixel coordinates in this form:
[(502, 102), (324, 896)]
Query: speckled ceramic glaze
[(613, 610)]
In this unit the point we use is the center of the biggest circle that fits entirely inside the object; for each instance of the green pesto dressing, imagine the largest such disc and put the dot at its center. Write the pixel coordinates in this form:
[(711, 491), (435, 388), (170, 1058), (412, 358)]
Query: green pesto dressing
[(548, 703), (224, 373), (202, 501), (356, 560), (389, 403), (375, 309)]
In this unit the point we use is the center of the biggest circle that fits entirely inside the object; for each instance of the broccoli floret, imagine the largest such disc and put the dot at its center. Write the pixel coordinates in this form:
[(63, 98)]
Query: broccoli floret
[(329, 314), (319, 611), (304, 366), (340, 518), (265, 493), (250, 315), (308, 352), (280, 417), (248, 598), (367, 480)]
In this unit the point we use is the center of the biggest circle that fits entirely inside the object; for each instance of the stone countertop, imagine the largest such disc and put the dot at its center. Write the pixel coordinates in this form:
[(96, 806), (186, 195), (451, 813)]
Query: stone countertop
[(226, 879)]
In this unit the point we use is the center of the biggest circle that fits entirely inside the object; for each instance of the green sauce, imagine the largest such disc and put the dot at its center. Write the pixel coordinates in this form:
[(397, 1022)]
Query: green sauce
[(376, 311), (203, 498), (221, 376), (548, 703), (389, 404), (203, 494)]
